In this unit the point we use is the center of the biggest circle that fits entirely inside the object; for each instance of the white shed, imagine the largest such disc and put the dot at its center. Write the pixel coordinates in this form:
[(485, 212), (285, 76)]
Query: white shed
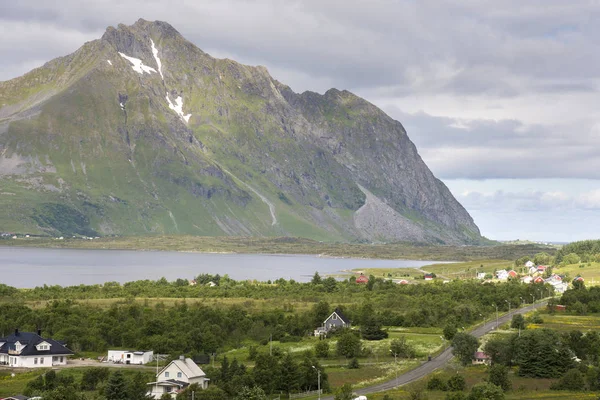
[(130, 357)]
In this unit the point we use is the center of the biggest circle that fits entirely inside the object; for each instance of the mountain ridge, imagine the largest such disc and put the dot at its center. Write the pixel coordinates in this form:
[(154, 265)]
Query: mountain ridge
[(142, 132)]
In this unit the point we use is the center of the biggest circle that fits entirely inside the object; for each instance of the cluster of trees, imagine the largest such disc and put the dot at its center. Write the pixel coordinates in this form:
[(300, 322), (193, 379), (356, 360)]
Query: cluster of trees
[(582, 299), (275, 372), (582, 251), (202, 328), (111, 386)]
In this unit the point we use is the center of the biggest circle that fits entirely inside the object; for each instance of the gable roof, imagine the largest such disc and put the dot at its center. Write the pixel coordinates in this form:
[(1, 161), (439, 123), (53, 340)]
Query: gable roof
[(30, 340), (341, 316), (187, 366)]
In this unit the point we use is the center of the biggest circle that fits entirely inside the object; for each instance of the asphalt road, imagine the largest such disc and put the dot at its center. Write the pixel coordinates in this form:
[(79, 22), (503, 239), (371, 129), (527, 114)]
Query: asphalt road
[(440, 360)]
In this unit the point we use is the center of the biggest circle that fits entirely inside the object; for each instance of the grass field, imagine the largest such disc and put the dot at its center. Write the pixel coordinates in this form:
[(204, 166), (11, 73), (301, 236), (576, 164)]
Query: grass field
[(522, 388), (460, 270), (565, 322), (14, 385), (589, 271)]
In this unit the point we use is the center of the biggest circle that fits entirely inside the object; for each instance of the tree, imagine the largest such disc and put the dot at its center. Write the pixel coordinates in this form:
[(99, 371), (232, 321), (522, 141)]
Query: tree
[(499, 349), (486, 391), (116, 388), (464, 346), (137, 388), (456, 383), (322, 349), (254, 393), (436, 383), (348, 345), (289, 381), (449, 331), (344, 392), (540, 353), (573, 380), (371, 282), (353, 364), (320, 312), (498, 375), (62, 393), (401, 348), (518, 322), (329, 284), (316, 279)]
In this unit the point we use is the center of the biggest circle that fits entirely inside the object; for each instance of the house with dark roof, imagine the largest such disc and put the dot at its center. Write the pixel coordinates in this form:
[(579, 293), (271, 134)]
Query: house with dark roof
[(31, 350), (336, 320), (176, 376)]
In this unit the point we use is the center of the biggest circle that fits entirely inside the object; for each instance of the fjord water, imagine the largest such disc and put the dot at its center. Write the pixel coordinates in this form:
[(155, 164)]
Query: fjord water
[(30, 267)]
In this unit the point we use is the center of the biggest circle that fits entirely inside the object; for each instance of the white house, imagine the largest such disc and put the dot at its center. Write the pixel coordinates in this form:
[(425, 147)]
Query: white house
[(481, 275), (130, 357), (335, 321), (527, 279), (529, 264), (177, 376), (30, 350), (502, 274)]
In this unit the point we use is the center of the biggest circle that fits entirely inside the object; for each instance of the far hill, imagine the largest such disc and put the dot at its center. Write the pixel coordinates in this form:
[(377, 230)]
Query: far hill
[(141, 132)]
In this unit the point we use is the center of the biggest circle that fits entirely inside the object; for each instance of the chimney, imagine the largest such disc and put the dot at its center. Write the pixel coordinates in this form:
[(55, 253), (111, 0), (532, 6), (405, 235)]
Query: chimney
[(182, 358), (16, 331), (39, 332)]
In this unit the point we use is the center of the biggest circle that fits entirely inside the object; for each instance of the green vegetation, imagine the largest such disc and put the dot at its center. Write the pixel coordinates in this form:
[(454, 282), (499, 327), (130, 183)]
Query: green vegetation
[(288, 245)]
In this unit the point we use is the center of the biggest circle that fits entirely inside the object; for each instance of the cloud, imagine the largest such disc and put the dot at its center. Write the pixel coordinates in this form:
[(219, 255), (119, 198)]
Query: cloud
[(530, 201), (485, 89)]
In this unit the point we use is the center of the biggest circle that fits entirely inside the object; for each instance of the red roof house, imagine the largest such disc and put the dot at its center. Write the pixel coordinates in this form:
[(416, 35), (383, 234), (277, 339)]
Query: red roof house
[(480, 358), (403, 282), (362, 279), (539, 279), (512, 273)]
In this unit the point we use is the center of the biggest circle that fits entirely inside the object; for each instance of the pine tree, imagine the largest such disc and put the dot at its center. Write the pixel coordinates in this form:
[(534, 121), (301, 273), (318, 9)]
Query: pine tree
[(116, 388)]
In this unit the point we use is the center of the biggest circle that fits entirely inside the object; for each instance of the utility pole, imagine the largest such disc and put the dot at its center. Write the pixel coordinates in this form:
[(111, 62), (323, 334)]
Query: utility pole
[(496, 315), (508, 301), (396, 362), (318, 380)]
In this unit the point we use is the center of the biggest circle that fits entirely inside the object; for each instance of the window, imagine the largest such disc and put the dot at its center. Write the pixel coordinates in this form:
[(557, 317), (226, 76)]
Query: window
[(41, 360), (61, 359), (35, 361), (334, 316), (166, 374), (179, 374)]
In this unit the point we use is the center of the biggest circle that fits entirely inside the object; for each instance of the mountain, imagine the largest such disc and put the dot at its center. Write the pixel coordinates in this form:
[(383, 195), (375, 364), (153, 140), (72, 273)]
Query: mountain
[(141, 132)]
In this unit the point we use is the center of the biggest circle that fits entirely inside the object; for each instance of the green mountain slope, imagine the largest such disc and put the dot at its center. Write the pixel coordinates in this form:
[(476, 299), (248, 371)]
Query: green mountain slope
[(141, 132)]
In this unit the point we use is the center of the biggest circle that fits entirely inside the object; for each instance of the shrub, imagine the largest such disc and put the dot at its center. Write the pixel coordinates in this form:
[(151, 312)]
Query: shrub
[(436, 383)]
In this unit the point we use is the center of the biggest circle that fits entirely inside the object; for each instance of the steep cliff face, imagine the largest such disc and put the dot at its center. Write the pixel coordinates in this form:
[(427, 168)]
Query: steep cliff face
[(142, 132)]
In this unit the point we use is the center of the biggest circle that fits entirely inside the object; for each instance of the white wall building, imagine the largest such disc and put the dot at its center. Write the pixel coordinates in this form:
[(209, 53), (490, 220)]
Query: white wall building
[(130, 357), (30, 350), (177, 376)]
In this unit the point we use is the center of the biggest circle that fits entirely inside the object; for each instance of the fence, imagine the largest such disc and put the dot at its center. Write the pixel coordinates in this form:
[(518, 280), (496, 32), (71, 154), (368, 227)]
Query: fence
[(305, 394)]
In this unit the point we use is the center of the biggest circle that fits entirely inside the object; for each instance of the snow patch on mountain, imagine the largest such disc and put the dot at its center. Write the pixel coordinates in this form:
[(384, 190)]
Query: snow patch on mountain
[(155, 53), (178, 108), (138, 66)]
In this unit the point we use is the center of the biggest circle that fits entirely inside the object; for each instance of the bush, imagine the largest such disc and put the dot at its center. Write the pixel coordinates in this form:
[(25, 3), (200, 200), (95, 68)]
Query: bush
[(573, 381), (456, 383), (322, 349), (486, 391), (353, 364), (436, 383)]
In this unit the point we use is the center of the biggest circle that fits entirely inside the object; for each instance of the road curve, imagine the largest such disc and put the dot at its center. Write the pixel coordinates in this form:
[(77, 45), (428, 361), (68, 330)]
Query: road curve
[(437, 362)]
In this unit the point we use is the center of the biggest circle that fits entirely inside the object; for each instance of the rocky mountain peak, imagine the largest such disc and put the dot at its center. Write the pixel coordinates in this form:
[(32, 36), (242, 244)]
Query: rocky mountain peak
[(142, 132)]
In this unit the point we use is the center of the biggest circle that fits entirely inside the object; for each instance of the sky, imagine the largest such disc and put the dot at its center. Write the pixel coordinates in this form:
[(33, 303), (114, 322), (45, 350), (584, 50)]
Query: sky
[(500, 98)]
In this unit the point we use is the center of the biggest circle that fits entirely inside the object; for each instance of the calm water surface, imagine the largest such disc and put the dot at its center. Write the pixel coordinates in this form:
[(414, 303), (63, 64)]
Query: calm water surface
[(28, 267)]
